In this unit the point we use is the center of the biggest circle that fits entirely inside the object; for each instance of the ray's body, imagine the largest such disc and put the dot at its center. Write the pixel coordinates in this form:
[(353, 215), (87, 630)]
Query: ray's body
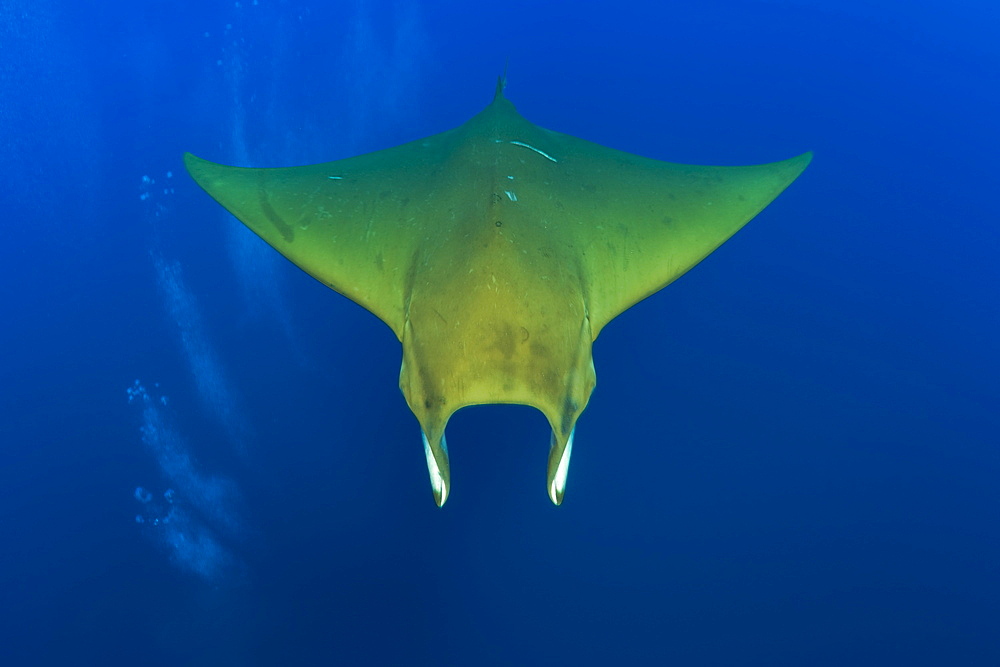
[(496, 252)]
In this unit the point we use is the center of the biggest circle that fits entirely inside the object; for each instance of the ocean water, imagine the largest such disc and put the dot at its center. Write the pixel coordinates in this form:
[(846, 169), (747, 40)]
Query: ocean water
[(792, 456)]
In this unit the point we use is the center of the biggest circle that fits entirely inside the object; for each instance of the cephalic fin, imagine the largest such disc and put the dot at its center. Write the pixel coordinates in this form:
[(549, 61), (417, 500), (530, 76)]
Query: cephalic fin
[(559, 453), (438, 467)]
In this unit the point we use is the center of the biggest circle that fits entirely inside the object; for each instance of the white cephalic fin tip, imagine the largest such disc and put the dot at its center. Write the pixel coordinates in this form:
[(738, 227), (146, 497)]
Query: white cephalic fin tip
[(439, 484), (557, 485)]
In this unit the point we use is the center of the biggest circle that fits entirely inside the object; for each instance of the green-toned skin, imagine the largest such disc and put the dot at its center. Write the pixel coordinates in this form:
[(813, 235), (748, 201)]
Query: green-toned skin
[(496, 251)]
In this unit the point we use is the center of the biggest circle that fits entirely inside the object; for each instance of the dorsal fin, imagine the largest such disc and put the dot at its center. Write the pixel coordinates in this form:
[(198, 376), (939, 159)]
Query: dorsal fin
[(501, 83)]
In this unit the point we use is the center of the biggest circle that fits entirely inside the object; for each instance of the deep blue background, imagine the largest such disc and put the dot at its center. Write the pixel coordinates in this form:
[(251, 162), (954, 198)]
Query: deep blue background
[(792, 454)]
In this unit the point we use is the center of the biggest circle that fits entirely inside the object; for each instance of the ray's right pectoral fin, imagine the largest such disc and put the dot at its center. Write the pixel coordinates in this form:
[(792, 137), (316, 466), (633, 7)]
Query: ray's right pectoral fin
[(337, 221)]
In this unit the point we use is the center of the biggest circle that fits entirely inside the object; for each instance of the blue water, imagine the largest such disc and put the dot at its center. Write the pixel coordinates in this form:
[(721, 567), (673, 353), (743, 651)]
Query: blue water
[(791, 457)]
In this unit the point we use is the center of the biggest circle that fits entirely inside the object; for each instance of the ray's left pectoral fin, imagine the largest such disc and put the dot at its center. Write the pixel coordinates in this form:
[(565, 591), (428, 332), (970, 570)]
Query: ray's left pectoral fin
[(650, 222)]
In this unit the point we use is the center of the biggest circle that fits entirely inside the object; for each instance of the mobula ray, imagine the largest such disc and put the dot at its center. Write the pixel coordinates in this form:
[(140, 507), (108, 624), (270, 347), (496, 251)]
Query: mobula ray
[(496, 252)]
